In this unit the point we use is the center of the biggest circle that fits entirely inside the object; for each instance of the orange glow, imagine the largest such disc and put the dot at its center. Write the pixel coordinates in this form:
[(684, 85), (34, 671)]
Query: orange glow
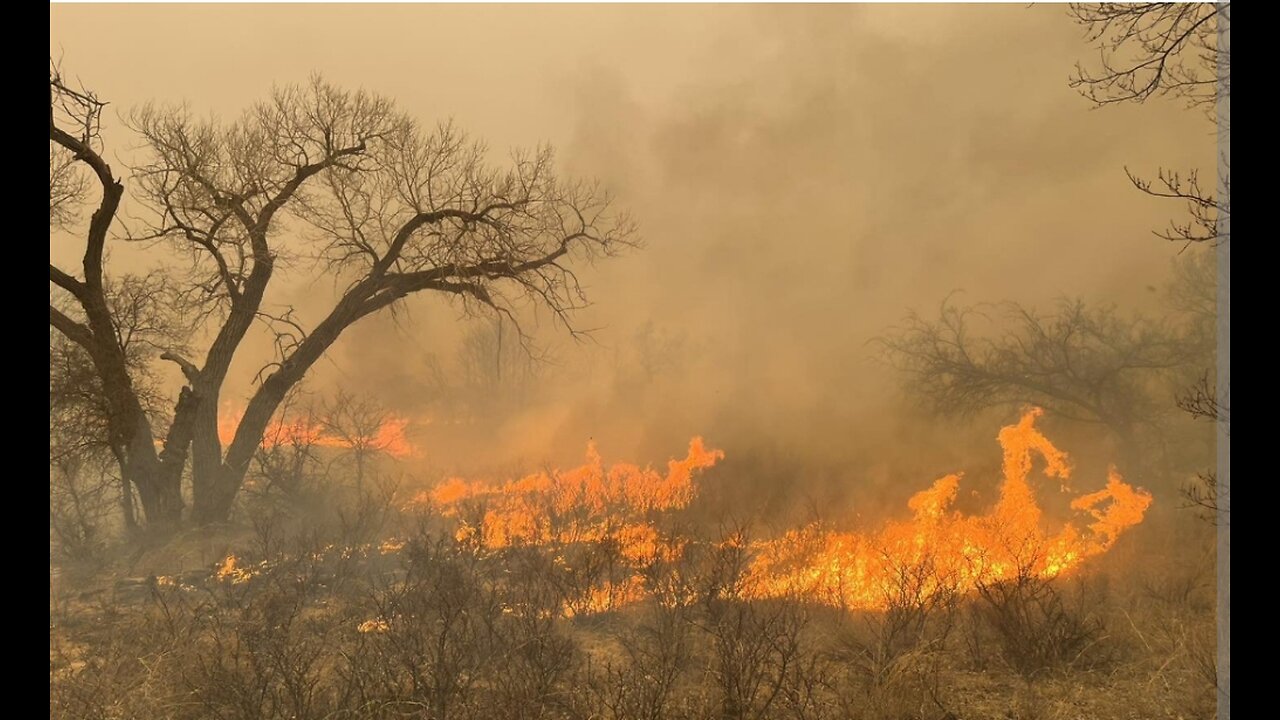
[(390, 436)]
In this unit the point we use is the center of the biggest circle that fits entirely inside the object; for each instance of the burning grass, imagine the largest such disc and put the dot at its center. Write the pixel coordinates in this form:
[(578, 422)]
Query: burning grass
[(577, 594), (620, 504), (960, 552)]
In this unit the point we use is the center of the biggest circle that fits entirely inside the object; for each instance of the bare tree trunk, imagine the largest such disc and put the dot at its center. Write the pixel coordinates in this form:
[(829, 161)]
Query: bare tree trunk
[(126, 505), (160, 495), (216, 479), (158, 476), (219, 486), (126, 493), (206, 463), (214, 503), (207, 472)]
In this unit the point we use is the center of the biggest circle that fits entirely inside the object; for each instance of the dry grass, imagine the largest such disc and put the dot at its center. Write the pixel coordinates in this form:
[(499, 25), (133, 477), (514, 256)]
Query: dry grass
[(318, 623)]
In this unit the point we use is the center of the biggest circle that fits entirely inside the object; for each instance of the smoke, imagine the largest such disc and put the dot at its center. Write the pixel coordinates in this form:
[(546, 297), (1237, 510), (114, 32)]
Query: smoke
[(802, 176)]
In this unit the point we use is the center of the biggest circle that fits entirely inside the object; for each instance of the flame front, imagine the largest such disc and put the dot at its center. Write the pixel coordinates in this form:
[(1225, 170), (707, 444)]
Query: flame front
[(940, 549), (585, 504), (937, 549)]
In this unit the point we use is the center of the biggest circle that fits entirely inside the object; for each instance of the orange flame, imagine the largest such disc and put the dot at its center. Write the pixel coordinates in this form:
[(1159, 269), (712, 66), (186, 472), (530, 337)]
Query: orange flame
[(941, 549), (937, 550), (585, 504), (389, 438)]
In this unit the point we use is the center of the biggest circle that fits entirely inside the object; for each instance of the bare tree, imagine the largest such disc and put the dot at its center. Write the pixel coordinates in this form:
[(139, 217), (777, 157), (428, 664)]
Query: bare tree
[(1174, 49), (495, 369), (1088, 364), (78, 428), (1152, 49), (80, 413), (81, 447), (1194, 293), (287, 459), (658, 351), (1148, 50), (358, 424), (84, 312), (386, 207)]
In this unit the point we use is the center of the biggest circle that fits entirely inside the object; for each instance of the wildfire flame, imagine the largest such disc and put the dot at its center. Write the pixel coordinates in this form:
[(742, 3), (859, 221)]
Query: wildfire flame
[(230, 570), (389, 437), (940, 549), (588, 503), (937, 550)]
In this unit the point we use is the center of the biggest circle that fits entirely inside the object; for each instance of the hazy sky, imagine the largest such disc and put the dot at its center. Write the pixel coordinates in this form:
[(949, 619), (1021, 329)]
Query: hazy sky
[(801, 174)]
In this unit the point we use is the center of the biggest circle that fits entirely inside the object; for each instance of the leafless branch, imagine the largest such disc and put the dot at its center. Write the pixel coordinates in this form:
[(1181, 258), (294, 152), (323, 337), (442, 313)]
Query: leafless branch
[(1149, 49)]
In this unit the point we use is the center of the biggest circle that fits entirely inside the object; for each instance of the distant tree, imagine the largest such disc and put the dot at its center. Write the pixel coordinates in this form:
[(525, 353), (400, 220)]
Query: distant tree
[(287, 460), (1180, 50), (497, 364), (81, 492), (81, 488), (494, 369), (1089, 364), (1193, 293), (389, 209), (658, 351), (359, 425)]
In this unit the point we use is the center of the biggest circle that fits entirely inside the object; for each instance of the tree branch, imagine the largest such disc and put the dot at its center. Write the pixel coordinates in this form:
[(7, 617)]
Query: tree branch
[(67, 282), (189, 368), (74, 331)]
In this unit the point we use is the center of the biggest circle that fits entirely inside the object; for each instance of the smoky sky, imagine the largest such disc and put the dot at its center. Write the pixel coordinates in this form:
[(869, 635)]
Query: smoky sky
[(801, 176)]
